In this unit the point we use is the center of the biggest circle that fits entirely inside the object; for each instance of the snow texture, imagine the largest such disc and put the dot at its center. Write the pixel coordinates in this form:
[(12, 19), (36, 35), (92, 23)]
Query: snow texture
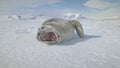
[(19, 47)]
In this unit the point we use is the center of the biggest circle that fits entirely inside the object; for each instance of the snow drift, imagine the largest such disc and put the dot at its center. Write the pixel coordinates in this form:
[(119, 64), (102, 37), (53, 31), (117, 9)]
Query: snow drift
[(26, 17)]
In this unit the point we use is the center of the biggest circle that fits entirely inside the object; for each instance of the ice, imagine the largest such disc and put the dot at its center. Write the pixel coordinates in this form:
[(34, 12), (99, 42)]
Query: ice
[(19, 47), (73, 16)]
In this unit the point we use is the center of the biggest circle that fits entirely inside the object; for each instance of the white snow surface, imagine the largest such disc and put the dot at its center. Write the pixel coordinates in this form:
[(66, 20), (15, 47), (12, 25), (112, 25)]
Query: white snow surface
[(19, 47)]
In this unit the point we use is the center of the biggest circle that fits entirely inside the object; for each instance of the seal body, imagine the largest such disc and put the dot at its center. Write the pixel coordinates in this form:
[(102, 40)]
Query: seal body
[(57, 30)]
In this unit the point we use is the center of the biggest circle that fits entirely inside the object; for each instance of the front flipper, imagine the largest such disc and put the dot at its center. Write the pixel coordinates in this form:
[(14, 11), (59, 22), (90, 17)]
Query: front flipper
[(78, 27)]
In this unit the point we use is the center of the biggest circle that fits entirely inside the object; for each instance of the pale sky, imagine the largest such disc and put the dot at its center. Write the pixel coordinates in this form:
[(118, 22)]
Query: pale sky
[(91, 8)]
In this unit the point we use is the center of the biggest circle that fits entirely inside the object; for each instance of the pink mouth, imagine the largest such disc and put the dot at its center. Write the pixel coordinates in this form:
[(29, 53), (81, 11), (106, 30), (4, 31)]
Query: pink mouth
[(50, 36)]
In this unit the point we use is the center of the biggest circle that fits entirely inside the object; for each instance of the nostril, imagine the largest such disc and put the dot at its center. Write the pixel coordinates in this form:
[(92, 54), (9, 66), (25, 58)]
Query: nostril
[(37, 38), (38, 34), (58, 36)]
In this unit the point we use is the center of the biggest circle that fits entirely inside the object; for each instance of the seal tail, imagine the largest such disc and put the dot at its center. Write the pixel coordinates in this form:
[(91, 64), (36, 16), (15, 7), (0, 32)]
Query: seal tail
[(78, 27)]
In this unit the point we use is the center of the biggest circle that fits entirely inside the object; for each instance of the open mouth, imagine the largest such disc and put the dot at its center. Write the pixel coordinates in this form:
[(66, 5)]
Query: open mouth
[(49, 36)]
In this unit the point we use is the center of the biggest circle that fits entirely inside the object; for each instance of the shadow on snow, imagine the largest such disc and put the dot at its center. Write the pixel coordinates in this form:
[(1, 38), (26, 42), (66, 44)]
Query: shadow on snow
[(76, 39)]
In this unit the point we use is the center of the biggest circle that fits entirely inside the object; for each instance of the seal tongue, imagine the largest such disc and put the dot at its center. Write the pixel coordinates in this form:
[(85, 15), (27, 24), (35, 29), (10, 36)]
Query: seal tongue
[(50, 36)]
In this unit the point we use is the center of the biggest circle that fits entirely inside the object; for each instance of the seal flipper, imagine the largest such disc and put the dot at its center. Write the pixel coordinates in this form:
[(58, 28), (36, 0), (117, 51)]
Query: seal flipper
[(78, 27)]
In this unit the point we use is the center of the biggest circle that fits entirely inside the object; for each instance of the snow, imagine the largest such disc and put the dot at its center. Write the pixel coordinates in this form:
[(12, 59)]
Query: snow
[(19, 47)]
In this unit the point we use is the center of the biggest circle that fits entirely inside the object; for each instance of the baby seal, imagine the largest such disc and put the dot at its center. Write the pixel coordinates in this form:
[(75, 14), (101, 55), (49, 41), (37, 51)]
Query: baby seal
[(57, 30)]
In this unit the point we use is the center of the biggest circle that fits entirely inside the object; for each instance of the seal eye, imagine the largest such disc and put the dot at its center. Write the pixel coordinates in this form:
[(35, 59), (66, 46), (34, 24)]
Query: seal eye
[(42, 27)]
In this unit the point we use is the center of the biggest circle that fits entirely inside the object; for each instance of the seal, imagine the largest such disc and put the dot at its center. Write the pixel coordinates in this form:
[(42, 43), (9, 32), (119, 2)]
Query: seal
[(57, 30)]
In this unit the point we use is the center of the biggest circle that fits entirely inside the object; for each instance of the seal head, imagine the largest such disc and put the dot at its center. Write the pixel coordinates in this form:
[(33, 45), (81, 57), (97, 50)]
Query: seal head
[(48, 34)]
